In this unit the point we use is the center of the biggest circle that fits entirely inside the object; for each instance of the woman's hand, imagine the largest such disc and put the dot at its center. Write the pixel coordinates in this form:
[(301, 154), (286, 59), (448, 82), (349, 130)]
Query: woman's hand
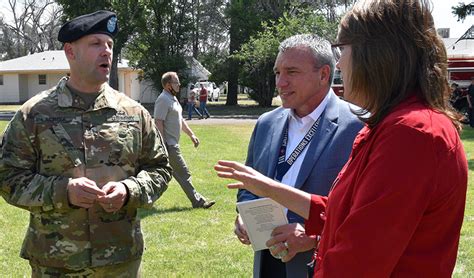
[(294, 199), (248, 178)]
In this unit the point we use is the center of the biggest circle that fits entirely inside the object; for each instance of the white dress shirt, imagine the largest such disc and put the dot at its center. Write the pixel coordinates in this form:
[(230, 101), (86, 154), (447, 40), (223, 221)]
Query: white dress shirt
[(297, 129)]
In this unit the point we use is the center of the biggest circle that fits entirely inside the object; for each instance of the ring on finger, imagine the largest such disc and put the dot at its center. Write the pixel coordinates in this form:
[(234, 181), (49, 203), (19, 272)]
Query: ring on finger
[(110, 205), (286, 245)]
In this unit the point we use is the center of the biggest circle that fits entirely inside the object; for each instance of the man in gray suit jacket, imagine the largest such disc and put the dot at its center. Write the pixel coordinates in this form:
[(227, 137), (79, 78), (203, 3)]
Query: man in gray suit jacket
[(303, 144)]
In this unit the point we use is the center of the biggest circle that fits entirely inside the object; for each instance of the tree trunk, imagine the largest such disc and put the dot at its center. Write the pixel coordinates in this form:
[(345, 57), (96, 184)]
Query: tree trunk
[(265, 85), (233, 82), (233, 65), (113, 81), (196, 17)]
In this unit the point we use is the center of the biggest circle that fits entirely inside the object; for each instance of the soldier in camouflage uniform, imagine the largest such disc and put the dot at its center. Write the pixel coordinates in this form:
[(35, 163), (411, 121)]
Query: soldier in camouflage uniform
[(82, 158)]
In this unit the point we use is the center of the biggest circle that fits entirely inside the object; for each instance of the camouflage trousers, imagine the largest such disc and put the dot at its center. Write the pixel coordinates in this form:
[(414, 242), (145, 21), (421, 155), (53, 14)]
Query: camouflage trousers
[(124, 270)]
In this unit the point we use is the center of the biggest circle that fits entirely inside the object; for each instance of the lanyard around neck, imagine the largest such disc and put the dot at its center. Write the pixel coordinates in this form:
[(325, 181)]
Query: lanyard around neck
[(284, 165)]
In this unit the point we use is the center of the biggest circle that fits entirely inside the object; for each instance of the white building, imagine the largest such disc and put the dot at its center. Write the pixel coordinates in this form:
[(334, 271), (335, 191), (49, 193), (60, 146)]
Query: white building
[(461, 47), (196, 71), (23, 77)]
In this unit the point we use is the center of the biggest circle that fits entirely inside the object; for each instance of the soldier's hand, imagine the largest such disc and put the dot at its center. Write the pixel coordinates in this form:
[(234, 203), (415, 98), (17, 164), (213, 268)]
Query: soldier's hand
[(295, 237), (83, 192), (115, 196), (240, 230)]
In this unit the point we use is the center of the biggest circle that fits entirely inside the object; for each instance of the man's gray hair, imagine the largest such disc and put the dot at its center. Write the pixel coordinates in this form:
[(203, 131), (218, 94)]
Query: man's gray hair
[(167, 77), (320, 48)]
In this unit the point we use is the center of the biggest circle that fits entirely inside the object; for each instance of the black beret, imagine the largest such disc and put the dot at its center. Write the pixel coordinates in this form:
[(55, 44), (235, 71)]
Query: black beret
[(100, 22)]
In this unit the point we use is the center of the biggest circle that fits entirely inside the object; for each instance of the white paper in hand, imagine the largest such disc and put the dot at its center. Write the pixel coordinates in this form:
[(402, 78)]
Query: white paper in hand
[(260, 217)]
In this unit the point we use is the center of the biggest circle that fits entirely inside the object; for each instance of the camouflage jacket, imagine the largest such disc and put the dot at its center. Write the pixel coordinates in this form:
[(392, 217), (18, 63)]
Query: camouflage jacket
[(54, 137)]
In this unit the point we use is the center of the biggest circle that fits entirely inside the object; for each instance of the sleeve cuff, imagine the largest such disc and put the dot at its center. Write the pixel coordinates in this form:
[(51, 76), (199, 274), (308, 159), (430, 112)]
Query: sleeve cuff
[(133, 190), (60, 197), (317, 217)]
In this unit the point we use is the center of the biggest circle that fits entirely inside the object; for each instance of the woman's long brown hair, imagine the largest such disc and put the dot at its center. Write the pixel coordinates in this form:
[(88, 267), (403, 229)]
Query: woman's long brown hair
[(395, 51)]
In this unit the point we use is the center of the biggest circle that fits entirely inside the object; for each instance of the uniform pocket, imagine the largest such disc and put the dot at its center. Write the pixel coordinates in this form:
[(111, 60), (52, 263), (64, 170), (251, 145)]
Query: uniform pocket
[(124, 141)]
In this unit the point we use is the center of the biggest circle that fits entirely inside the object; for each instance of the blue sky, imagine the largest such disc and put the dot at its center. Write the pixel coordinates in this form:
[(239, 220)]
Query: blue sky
[(441, 13)]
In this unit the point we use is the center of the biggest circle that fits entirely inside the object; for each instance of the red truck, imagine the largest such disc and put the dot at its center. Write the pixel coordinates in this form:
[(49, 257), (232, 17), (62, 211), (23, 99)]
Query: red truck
[(337, 85), (461, 69)]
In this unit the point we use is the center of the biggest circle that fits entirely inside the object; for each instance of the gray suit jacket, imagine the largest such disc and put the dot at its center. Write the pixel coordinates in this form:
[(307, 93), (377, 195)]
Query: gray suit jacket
[(327, 153)]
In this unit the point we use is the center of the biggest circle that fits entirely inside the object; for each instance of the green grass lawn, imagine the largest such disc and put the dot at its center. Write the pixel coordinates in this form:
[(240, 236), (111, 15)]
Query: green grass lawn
[(465, 260), (182, 242), (9, 107)]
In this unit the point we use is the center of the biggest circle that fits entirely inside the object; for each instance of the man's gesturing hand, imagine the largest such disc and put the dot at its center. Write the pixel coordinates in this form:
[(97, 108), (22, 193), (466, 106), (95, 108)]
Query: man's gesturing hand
[(240, 230)]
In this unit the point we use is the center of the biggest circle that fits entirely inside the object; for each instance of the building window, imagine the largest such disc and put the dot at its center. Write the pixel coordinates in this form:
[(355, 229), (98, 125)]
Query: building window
[(1, 79), (42, 79)]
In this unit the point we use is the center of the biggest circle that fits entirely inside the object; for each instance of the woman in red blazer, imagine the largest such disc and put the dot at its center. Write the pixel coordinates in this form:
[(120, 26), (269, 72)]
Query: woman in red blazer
[(396, 208)]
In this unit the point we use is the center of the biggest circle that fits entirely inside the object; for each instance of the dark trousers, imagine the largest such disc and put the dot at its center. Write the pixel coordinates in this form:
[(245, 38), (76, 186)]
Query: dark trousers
[(471, 117), (202, 107), (192, 107), (271, 267)]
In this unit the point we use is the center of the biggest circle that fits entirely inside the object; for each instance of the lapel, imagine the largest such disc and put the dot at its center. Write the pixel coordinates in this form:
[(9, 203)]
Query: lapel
[(324, 134), (276, 135)]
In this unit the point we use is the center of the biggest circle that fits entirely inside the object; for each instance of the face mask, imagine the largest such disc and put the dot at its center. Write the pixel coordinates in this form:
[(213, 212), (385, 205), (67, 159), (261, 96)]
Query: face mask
[(175, 87)]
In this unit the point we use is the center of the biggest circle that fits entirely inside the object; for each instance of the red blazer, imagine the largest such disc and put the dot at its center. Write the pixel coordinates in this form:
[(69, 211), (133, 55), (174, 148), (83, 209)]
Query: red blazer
[(397, 206)]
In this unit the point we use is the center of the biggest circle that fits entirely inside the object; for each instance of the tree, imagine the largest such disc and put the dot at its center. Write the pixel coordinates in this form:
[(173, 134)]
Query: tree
[(161, 44), (463, 10), (210, 36), (8, 50), (208, 39), (157, 35), (330, 9), (259, 53), (246, 17), (209, 26), (34, 28), (129, 13)]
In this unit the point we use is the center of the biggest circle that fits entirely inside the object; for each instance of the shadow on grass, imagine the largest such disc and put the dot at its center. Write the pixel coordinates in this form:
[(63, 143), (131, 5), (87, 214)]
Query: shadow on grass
[(143, 213)]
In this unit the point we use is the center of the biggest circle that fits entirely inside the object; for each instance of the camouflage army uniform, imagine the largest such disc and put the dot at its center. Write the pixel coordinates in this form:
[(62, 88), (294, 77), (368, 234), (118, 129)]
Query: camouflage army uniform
[(54, 137)]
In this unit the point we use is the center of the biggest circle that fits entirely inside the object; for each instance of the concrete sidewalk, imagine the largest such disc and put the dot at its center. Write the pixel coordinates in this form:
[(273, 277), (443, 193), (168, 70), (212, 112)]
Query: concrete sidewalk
[(6, 115), (222, 120)]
